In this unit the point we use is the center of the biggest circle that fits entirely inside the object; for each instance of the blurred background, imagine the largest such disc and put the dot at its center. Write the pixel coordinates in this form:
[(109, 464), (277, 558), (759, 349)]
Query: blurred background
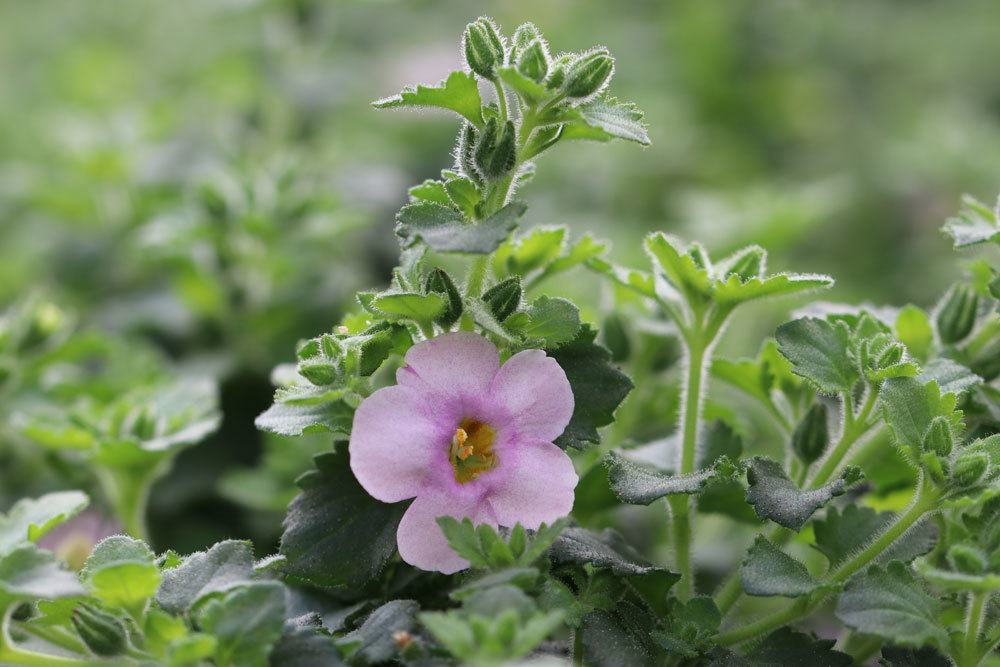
[(207, 180)]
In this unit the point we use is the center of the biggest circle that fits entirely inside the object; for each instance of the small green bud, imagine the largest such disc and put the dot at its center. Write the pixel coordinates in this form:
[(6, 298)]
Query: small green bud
[(995, 286), (503, 298), (524, 35), (967, 559), (534, 61), (440, 282), (465, 152), (557, 71), (318, 370), (589, 74), (986, 362), (496, 151), (811, 435), (331, 346), (970, 468), (935, 468), (957, 313), (483, 47), (102, 632), (938, 438)]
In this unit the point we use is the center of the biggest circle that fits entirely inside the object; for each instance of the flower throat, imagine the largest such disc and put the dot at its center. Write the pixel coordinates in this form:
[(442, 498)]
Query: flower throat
[(471, 451)]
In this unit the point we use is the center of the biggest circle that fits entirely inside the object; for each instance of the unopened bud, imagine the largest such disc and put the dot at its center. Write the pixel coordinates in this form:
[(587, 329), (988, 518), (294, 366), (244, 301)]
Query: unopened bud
[(970, 468), (938, 438), (557, 71), (811, 435), (524, 35), (102, 632), (465, 151), (496, 151), (957, 313), (589, 74), (440, 282), (483, 46), (534, 61), (503, 298)]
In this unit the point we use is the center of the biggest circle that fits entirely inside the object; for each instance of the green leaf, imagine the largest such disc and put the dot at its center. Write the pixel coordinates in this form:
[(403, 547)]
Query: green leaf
[(336, 535), (531, 251), (634, 279), (951, 377), (690, 627), (890, 603), (304, 643), (639, 484), (458, 93), (789, 647), (530, 91), (464, 540), (733, 290), (306, 412), (683, 266), (246, 623), (28, 573), (776, 497), (606, 549), (439, 282), (913, 329), (598, 388), (553, 320), (610, 641), (32, 518), (464, 194), (122, 572), (224, 566), (925, 656), (841, 534), (446, 230), (606, 119), (976, 223), (431, 190), (422, 308), (374, 641), (909, 406), (818, 351), (768, 571)]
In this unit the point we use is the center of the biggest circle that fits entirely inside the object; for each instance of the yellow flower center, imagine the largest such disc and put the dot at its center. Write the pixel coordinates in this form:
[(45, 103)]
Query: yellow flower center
[(471, 451)]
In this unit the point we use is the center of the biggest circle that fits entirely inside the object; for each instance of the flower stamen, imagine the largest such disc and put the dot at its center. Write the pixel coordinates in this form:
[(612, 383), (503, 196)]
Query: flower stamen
[(471, 450)]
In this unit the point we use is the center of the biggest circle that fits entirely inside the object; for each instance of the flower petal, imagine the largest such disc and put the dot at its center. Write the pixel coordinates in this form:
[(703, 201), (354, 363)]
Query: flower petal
[(420, 539), (535, 391), (540, 488), (457, 364), (395, 443)]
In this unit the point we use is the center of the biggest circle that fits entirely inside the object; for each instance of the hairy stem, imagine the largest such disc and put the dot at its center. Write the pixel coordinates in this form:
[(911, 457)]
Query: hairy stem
[(924, 500), (127, 491), (973, 627)]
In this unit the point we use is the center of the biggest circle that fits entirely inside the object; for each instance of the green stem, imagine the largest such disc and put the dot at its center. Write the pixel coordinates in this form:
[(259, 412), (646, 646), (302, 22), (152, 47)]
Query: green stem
[(578, 647), (501, 99), (973, 627), (924, 500), (127, 490), (54, 636), (11, 654)]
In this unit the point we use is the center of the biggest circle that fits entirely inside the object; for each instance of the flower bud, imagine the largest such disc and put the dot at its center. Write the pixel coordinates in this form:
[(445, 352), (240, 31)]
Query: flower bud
[(534, 61), (465, 151), (986, 361), (589, 74), (557, 71), (331, 346), (970, 468), (967, 559), (318, 370), (524, 35), (935, 467), (440, 282), (503, 298), (102, 632), (483, 46), (957, 313), (496, 151), (811, 435), (938, 438)]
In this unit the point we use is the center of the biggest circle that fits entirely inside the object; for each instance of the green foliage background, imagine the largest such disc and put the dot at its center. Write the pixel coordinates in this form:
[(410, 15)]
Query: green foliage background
[(837, 135)]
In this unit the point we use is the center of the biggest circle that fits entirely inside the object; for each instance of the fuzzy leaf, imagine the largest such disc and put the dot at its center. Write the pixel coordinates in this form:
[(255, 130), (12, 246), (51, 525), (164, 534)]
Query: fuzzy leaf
[(431, 190), (634, 279), (458, 93), (818, 351), (222, 567), (776, 497), (913, 329), (606, 119), (598, 388), (327, 413), (734, 290), (374, 637), (32, 518), (28, 573), (790, 647), (553, 320), (678, 264), (336, 535), (638, 484), (606, 549), (246, 623), (976, 223), (767, 570), (951, 377), (445, 229), (610, 641), (304, 643), (890, 603), (909, 406), (410, 306), (925, 656), (122, 572)]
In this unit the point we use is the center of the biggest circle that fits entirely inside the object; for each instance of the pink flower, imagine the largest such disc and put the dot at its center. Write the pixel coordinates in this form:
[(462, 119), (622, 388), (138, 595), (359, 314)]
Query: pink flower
[(465, 437)]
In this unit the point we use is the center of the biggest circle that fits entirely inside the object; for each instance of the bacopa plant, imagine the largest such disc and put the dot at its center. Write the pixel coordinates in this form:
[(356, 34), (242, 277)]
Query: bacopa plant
[(475, 425)]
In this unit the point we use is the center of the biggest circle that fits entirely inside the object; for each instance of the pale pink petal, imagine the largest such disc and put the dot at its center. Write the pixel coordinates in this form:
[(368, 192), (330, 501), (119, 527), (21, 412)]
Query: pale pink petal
[(539, 488), (456, 364), (419, 538), (535, 391), (396, 441)]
